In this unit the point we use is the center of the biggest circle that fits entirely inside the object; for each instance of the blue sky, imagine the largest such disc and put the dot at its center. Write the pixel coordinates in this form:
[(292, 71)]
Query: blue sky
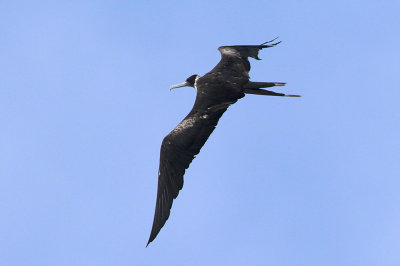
[(85, 104)]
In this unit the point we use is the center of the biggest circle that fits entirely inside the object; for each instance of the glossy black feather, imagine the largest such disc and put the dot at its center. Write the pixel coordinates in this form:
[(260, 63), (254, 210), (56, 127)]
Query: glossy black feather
[(216, 91)]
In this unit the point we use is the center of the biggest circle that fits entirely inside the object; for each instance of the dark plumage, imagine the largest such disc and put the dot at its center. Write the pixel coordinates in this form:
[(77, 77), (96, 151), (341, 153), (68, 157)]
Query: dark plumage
[(226, 83)]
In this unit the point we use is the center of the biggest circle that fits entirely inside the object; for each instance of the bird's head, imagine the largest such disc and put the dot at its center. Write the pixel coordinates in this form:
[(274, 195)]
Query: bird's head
[(189, 82)]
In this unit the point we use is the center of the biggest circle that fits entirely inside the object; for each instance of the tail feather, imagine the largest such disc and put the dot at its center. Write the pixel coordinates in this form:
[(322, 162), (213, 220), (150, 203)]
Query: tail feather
[(267, 92), (258, 85)]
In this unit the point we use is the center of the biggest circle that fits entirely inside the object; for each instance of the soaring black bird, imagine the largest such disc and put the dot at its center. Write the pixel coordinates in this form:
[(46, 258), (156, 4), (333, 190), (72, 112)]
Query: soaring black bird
[(226, 83)]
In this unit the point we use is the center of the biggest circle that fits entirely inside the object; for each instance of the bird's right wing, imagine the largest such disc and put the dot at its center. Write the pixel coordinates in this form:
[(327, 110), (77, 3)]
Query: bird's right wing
[(178, 149), (245, 51)]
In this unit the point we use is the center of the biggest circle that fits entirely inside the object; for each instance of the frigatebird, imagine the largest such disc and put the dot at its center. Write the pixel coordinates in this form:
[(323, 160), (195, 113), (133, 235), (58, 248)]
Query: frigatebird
[(226, 83)]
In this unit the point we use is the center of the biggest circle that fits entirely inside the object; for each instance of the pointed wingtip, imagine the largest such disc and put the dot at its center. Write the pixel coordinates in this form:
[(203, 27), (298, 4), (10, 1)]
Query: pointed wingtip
[(151, 238), (289, 95), (148, 242), (271, 41)]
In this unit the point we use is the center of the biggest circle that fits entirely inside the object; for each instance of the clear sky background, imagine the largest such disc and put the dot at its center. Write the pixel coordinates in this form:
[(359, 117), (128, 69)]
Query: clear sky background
[(85, 104)]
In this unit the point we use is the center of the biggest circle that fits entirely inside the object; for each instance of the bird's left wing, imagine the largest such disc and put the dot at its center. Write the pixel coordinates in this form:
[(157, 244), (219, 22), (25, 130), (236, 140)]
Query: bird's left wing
[(178, 149)]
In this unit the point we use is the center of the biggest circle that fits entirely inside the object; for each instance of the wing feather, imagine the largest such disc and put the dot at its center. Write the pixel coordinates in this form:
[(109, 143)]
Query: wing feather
[(178, 149)]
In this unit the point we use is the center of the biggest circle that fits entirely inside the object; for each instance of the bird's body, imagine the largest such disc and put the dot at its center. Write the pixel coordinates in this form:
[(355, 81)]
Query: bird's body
[(226, 83)]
